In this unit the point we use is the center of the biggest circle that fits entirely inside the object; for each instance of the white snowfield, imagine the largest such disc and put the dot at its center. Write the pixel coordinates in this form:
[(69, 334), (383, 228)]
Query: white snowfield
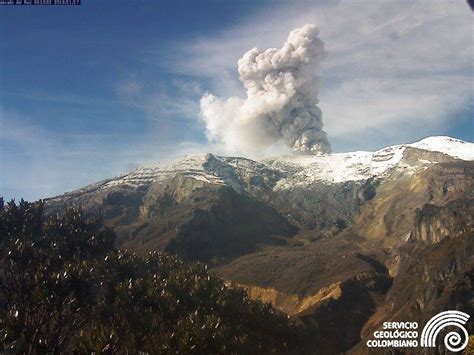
[(356, 166), (447, 145), (337, 167), (293, 170), (191, 166)]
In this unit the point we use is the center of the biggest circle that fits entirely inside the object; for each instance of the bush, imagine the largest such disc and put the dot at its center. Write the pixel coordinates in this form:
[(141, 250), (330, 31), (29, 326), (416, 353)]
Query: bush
[(64, 288)]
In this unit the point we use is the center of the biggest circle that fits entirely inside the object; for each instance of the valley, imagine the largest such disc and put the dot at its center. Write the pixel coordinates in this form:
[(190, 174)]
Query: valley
[(339, 242)]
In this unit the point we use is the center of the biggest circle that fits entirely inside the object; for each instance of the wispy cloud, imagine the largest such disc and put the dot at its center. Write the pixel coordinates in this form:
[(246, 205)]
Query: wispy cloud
[(177, 101), (61, 98), (37, 163), (393, 66), (396, 71)]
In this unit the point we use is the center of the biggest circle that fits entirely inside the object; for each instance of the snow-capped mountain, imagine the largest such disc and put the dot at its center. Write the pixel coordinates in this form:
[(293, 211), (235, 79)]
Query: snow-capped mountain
[(325, 192), (363, 165), (296, 170), (358, 236)]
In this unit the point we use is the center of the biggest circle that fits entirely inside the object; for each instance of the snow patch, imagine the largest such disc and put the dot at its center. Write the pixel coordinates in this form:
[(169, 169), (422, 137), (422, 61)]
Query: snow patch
[(338, 167), (294, 170), (447, 145)]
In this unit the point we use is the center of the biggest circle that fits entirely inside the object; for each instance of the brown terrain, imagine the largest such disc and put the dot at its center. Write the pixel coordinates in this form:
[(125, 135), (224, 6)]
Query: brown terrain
[(340, 259)]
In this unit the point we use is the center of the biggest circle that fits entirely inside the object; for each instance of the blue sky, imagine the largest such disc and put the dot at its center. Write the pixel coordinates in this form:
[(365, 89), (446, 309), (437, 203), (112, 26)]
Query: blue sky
[(90, 91)]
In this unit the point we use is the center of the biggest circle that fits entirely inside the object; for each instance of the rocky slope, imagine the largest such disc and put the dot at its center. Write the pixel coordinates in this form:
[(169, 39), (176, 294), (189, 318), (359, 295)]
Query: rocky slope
[(341, 242)]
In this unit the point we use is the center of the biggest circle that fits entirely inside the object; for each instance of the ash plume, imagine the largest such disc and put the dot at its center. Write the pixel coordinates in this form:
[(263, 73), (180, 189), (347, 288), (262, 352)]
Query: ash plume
[(281, 103)]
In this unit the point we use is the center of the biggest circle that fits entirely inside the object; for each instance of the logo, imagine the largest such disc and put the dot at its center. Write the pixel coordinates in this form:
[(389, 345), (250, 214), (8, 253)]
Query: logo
[(405, 334), (452, 340)]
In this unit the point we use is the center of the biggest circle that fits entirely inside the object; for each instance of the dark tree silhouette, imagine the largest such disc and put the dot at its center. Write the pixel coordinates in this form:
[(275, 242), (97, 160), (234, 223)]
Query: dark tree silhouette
[(64, 288)]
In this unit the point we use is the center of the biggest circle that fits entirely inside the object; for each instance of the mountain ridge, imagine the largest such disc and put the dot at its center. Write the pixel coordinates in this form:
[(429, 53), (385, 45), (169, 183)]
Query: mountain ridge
[(372, 164), (362, 227)]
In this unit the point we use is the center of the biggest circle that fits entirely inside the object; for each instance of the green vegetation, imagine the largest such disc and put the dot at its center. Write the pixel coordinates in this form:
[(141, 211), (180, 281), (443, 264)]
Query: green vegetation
[(63, 287)]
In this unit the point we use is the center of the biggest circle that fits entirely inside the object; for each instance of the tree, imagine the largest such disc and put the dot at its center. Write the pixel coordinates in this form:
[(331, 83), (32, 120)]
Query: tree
[(45, 265), (63, 287)]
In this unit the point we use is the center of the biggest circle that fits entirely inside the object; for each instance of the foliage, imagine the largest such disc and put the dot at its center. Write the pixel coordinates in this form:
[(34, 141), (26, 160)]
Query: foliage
[(63, 287)]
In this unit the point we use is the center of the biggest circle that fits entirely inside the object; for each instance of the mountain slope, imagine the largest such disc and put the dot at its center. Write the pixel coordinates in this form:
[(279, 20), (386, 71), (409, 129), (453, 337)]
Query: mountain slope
[(322, 193), (323, 238)]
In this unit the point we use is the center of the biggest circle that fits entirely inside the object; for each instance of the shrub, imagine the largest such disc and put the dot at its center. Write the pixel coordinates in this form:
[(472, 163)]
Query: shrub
[(63, 287)]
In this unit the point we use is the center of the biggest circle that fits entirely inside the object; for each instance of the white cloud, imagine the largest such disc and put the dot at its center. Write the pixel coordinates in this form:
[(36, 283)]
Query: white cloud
[(392, 65), (396, 71), (386, 104), (179, 100), (37, 163), (280, 107)]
